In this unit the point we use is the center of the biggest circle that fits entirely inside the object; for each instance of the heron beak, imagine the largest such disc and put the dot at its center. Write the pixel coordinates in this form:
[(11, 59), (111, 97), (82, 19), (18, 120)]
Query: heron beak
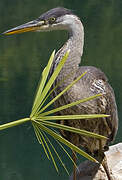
[(30, 26)]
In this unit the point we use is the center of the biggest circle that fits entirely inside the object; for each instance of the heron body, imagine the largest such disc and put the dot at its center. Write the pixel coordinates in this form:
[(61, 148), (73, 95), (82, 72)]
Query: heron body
[(92, 83), (103, 105)]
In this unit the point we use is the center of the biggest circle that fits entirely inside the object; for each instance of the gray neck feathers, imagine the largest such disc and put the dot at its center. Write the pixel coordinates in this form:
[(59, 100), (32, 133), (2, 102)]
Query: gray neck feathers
[(75, 44)]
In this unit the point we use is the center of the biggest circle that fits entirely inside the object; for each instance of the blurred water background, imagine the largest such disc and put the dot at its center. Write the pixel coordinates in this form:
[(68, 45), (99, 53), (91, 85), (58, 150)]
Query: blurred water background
[(22, 59)]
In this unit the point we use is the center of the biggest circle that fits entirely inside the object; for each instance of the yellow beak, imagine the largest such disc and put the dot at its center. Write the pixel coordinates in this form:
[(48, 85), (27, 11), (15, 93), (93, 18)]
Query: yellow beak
[(30, 26)]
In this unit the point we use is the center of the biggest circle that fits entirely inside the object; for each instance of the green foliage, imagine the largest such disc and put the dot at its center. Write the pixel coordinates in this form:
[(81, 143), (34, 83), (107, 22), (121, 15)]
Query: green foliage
[(42, 121)]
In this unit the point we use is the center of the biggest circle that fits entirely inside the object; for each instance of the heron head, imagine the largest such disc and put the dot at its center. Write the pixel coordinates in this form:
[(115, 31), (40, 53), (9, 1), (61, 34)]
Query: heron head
[(55, 19)]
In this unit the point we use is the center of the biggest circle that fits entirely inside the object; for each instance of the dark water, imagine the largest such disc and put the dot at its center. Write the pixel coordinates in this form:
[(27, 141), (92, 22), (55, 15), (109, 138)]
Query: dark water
[(22, 59)]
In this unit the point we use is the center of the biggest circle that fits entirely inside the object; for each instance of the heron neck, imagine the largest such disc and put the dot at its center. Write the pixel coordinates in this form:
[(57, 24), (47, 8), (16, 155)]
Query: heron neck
[(75, 44)]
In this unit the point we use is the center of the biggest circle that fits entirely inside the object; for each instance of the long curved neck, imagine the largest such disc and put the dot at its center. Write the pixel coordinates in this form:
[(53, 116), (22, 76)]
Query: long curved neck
[(75, 44)]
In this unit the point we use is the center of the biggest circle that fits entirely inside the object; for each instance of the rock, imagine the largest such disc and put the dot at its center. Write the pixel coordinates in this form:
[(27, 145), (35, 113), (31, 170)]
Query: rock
[(93, 171)]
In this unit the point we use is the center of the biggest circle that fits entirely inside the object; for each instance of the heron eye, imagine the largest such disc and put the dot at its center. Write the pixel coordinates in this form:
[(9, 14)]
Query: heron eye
[(52, 19)]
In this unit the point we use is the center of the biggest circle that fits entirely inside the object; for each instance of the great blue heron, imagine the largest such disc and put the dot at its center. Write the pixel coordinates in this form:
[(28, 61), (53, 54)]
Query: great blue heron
[(92, 83)]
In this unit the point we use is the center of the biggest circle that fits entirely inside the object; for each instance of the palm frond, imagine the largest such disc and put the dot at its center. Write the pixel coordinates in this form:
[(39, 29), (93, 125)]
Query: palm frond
[(41, 139), (41, 85), (41, 120), (68, 117), (14, 123), (62, 92), (74, 130), (66, 153), (40, 136), (64, 141), (67, 105), (57, 154), (56, 86), (48, 85)]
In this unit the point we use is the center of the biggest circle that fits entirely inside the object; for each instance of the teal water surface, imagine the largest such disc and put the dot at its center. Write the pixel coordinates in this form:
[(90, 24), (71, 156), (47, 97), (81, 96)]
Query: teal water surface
[(22, 59)]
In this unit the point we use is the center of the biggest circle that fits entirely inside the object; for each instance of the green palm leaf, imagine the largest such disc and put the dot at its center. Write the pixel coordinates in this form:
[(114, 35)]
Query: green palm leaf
[(60, 94), (42, 83), (74, 130), (41, 139), (67, 105), (64, 141), (56, 154), (40, 97), (41, 120)]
